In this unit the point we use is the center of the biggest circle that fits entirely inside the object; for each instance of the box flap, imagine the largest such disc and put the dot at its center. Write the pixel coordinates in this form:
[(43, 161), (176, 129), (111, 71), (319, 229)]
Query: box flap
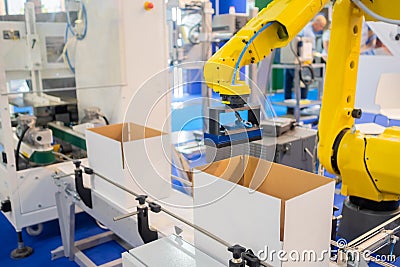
[(127, 131), (271, 178), (231, 169), (316, 240)]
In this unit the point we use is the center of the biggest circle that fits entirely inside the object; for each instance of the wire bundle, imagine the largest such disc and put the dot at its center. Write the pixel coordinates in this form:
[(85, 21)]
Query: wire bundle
[(76, 35)]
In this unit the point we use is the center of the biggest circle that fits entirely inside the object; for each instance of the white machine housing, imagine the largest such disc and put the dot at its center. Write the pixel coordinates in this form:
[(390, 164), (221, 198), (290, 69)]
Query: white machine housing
[(224, 26), (185, 3), (18, 59), (372, 67), (29, 51), (125, 45)]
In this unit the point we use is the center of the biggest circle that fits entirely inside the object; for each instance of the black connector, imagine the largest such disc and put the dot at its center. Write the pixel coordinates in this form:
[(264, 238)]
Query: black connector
[(154, 207), (356, 113), (5, 205), (141, 199), (251, 259), (4, 157), (77, 163), (88, 170)]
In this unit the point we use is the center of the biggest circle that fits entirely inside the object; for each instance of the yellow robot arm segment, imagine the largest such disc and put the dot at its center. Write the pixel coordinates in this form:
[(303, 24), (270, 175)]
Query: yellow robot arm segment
[(273, 27), (367, 164)]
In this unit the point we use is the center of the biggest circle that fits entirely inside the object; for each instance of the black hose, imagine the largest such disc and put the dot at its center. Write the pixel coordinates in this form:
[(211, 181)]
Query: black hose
[(311, 69), (105, 119), (21, 138)]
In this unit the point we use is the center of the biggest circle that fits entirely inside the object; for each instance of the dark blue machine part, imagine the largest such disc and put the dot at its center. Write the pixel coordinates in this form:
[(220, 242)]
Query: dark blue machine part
[(232, 139)]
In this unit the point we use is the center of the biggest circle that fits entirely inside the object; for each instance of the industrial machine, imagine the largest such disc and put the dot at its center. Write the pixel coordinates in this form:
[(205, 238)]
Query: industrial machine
[(226, 25), (173, 240), (40, 127), (274, 27), (189, 30), (295, 148), (93, 115), (69, 89), (31, 60), (110, 65), (34, 143), (364, 162), (112, 69)]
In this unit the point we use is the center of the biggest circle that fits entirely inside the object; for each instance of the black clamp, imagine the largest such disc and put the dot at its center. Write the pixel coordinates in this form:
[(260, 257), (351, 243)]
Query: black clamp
[(154, 207), (334, 223), (85, 194), (77, 164), (141, 199), (237, 260), (251, 259), (334, 228), (88, 170), (145, 232), (5, 205), (243, 257)]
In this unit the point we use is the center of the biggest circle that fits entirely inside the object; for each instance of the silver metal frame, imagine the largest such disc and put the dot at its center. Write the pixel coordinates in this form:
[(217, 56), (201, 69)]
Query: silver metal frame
[(123, 231), (373, 240)]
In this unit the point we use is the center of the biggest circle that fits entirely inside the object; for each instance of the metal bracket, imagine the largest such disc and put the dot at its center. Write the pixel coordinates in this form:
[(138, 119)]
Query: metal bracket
[(84, 193), (145, 232), (251, 259)]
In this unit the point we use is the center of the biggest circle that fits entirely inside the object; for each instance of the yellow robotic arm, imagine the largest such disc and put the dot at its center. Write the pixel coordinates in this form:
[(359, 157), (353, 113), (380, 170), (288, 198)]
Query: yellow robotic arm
[(273, 27), (367, 164)]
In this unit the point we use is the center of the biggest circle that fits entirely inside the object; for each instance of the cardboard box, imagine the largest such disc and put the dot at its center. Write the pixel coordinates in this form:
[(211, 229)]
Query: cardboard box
[(289, 210), (133, 156)]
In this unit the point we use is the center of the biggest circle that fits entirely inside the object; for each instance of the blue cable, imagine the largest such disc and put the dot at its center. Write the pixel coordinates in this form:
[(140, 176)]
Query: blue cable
[(85, 19), (392, 249), (66, 52), (69, 29), (86, 26), (245, 49)]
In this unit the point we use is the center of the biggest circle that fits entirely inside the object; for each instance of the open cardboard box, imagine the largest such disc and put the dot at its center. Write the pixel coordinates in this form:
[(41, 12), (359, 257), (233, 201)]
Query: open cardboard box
[(289, 210), (133, 156)]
